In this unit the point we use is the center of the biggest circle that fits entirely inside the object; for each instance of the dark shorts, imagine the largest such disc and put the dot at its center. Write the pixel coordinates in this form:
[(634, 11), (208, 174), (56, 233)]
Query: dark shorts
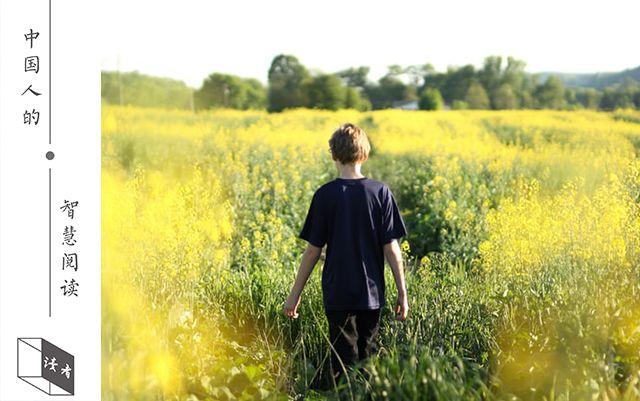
[(353, 334)]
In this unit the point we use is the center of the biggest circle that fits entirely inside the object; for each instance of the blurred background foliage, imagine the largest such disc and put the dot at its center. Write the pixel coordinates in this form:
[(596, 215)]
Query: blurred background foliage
[(498, 84)]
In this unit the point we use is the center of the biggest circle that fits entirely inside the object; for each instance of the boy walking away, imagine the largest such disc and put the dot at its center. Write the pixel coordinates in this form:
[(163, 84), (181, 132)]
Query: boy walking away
[(358, 220)]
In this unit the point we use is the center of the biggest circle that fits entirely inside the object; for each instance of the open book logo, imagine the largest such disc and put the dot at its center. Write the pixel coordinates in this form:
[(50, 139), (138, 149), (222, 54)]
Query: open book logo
[(45, 366)]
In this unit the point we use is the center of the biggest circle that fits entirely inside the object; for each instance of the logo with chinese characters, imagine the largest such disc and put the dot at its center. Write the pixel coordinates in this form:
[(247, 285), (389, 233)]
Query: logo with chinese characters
[(45, 366)]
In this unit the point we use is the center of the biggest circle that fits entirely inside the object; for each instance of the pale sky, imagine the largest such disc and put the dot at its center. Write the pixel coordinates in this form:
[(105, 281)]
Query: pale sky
[(189, 39)]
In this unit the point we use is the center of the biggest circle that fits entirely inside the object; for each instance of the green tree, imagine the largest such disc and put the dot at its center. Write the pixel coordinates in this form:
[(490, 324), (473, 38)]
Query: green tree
[(616, 97), (515, 76), (325, 91), (571, 98), (525, 95), (436, 80), (430, 99), (133, 88), (589, 98), (514, 73), (476, 97), (490, 75), (457, 82), (256, 94), (395, 70), (354, 100), (417, 73), (287, 81), (505, 98), (224, 90), (355, 77), (550, 95), (388, 90)]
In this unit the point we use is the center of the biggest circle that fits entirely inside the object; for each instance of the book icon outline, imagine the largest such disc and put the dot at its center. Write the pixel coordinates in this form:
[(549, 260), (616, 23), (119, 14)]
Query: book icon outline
[(45, 366)]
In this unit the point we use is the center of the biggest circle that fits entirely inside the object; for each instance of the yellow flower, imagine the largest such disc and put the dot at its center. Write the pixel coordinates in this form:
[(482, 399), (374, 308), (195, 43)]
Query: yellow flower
[(425, 261), (405, 245)]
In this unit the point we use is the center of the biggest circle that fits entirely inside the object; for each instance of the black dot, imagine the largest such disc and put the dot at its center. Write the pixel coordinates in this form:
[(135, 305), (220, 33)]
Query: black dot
[(50, 155)]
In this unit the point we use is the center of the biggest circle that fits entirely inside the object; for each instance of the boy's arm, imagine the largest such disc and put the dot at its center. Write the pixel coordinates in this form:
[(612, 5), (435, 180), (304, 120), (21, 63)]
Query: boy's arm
[(309, 259), (394, 257)]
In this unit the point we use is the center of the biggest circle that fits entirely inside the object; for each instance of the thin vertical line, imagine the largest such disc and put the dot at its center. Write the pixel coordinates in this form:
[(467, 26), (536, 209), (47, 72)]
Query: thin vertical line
[(50, 72), (49, 241)]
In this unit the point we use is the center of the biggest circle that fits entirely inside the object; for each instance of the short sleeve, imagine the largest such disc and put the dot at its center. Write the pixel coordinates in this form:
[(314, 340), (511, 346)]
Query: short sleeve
[(314, 229), (392, 224)]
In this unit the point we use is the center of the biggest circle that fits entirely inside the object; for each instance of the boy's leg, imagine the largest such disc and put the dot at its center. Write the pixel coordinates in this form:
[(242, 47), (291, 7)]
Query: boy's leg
[(367, 324), (343, 337)]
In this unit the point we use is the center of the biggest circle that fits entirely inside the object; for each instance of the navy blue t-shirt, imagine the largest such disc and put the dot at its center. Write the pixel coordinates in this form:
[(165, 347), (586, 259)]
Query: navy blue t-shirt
[(355, 218)]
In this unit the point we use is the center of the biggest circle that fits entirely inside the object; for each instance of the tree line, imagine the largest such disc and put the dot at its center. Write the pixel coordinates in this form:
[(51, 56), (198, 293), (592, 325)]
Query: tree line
[(498, 84)]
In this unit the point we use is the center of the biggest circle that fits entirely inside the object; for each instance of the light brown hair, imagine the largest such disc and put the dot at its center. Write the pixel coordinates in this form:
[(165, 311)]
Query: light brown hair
[(349, 144)]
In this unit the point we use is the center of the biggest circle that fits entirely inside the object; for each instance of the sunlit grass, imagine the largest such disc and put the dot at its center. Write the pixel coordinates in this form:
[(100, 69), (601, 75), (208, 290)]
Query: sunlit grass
[(523, 250)]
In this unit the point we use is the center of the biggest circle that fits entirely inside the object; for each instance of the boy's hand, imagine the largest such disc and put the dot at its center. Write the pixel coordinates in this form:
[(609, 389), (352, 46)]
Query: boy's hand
[(291, 306), (402, 308)]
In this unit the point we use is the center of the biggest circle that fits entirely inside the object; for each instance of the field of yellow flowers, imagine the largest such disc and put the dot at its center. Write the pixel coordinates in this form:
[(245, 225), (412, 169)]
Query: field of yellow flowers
[(523, 255)]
